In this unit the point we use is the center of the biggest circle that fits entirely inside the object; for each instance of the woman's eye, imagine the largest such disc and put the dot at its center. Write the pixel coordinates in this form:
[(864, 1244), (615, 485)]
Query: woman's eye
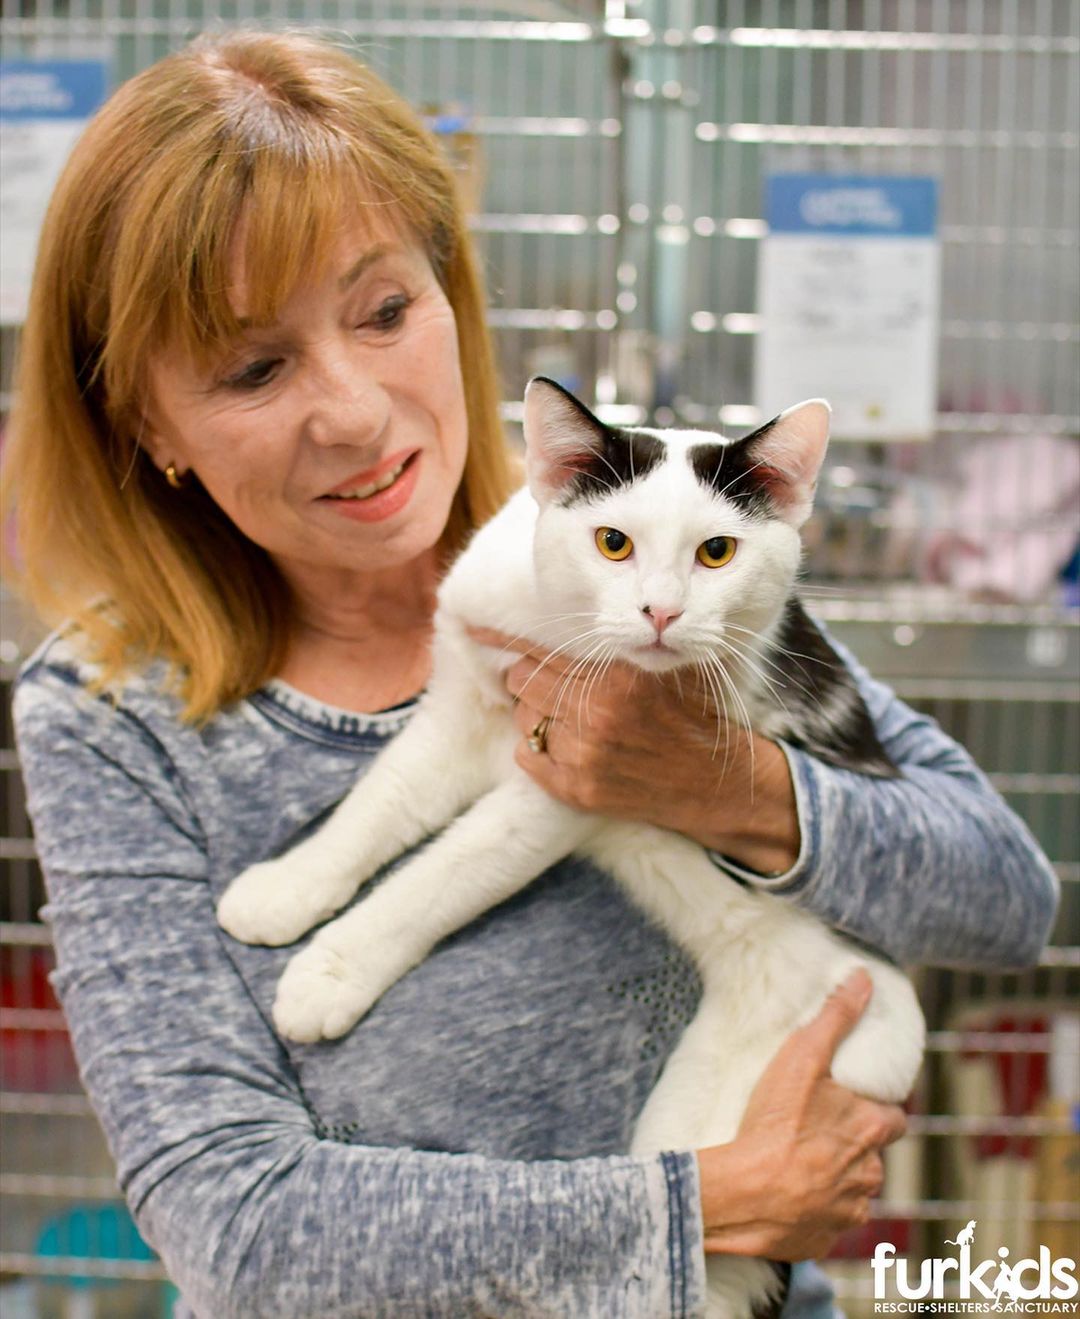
[(716, 551), (613, 544), (390, 313), (255, 374)]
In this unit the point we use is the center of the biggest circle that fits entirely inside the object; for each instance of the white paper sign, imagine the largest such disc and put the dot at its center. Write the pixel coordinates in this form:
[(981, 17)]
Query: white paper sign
[(849, 295), (44, 106)]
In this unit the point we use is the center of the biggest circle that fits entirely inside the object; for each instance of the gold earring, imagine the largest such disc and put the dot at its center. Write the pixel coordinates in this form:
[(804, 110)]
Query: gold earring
[(173, 477)]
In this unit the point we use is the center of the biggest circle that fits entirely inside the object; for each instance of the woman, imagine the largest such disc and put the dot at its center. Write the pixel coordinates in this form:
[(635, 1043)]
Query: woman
[(256, 355)]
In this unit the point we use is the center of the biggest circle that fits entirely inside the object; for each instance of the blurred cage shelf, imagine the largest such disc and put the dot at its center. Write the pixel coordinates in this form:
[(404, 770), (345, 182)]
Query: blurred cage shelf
[(613, 154)]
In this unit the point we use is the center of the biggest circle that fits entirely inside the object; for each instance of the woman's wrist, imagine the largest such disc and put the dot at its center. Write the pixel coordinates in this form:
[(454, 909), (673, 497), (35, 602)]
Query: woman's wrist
[(737, 1213), (754, 821)]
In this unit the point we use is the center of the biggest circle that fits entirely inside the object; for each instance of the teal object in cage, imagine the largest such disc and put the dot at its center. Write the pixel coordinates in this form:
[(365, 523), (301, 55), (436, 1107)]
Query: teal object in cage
[(103, 1234)]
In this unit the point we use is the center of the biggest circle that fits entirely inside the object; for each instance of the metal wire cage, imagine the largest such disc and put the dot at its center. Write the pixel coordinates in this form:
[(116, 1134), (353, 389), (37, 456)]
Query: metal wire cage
[(615, 152)]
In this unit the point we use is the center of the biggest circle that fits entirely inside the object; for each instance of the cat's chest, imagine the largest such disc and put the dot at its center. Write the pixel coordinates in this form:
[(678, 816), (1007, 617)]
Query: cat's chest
[(536, 1032)]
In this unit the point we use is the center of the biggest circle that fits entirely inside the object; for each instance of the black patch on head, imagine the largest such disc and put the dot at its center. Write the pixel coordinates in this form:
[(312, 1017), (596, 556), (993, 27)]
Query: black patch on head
[(620, 457), (609, 458), (822, 709), (733, 471)]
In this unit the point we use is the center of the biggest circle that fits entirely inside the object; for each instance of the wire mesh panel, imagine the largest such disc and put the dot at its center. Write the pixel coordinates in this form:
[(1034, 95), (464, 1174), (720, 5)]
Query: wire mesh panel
[(614, 155), (992, 1135)]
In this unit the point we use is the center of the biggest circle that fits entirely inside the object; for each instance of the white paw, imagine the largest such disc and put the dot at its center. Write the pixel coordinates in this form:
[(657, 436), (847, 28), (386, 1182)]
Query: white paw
[(321, 995), (275, 902), (882, 1055)]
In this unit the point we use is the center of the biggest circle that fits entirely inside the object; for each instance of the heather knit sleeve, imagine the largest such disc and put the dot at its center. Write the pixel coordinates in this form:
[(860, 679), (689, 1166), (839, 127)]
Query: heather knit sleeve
[(228, 1174), (932, 867)]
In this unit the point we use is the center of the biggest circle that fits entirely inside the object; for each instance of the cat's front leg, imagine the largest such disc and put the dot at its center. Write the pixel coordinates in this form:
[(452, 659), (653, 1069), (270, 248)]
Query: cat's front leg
[(505, 840), (405, 796)]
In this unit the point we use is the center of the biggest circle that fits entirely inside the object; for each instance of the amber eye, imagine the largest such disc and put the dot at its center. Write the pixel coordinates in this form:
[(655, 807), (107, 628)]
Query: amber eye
[(613, 544), (716, 551)]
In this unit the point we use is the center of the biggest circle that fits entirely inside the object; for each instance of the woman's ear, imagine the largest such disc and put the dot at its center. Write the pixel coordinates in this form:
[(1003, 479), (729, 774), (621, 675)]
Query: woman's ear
[(158, 448), (152, 445)]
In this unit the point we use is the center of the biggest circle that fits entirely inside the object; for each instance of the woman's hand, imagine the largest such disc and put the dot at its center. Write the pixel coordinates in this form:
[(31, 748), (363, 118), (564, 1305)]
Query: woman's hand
[(654, 748), (807, 1158)]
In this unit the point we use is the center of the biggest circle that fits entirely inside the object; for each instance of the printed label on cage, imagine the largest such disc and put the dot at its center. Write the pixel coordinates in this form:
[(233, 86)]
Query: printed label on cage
[(44, 106), (969, 1283), (849, 294)]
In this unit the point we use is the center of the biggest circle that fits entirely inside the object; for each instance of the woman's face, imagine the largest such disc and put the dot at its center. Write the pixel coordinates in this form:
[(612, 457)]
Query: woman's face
[(336, 437)]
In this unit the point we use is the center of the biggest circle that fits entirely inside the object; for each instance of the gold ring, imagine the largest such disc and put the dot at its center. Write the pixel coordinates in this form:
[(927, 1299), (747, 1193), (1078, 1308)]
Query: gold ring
[(537, 739)]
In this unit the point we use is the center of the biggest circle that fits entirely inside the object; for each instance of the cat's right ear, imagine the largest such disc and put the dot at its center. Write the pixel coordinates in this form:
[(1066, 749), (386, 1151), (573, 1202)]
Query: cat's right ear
[(562, 438)]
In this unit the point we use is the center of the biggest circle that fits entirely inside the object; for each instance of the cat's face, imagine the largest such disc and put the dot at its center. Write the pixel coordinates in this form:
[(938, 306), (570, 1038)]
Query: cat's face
[(664, 547)]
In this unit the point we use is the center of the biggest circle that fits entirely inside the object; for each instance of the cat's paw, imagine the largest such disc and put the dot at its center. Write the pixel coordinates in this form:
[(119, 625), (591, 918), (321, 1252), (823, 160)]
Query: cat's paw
[(881, 1056), (321, 995), (275, 902)]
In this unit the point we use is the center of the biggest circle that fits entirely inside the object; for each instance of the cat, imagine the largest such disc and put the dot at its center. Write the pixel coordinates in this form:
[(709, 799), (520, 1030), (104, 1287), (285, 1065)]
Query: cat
[(670, 550)]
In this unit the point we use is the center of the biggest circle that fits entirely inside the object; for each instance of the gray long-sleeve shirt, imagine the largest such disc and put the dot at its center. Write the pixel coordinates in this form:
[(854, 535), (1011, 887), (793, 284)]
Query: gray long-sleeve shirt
[(460, 1153)]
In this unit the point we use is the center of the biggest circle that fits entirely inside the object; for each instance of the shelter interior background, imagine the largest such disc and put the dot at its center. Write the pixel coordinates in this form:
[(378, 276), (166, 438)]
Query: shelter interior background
[(615, 155)]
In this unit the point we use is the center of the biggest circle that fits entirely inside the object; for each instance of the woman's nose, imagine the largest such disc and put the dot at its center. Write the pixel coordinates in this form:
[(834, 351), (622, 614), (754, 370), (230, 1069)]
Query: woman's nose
[(349, 404)]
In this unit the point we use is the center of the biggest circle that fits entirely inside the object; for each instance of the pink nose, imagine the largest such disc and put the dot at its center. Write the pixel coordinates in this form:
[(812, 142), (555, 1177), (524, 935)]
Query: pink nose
[(660, 618)]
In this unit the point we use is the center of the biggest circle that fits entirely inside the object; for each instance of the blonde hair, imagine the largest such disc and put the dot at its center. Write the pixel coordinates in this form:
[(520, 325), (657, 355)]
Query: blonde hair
[(134, 256)]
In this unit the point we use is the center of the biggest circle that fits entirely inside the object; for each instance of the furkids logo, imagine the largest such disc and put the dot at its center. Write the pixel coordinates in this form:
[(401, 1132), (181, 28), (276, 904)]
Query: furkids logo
[(1030, 1286)]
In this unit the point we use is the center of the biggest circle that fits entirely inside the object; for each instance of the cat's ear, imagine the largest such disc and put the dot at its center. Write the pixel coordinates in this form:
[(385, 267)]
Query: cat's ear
[(787, 455), (562, 437)]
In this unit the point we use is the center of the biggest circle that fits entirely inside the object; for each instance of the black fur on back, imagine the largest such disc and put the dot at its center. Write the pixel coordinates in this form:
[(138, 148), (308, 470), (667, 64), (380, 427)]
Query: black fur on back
[(820, 708)]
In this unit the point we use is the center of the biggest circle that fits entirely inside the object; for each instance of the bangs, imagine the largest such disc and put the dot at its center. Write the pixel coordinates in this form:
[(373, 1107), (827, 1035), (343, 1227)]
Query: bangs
[(278, 232)]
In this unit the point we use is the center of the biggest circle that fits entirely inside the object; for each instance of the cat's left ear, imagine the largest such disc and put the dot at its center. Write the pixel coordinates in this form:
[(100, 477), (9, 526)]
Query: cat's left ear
[(787, 455), (562, 437)]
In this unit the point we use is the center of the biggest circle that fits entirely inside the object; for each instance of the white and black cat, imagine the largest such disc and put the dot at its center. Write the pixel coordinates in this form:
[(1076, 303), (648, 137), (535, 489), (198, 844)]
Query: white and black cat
[(668, 550)]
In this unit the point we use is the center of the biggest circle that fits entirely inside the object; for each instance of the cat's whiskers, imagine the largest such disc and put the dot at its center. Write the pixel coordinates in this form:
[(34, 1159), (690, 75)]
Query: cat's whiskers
[(560, 650), (751, 660), (678, 683), (558, 618), (790, 677), (594, 667), (752, 656), (568, 680), (782, 650), (722, 683), (713, 660), (600, 668), (816, 588), (709, 689)]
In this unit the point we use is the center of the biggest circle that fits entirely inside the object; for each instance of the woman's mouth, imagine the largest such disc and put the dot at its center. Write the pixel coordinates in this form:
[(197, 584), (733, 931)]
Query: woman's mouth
[(373, 497), (372, 487)]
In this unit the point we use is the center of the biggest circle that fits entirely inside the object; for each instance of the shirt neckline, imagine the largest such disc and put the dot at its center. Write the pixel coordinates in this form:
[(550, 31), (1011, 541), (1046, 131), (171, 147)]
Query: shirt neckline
[(296, 710)]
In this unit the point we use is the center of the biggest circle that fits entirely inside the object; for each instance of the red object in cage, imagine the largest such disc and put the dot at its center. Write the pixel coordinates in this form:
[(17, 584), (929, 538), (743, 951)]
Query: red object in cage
[(35, 1052), (1022, 1078)]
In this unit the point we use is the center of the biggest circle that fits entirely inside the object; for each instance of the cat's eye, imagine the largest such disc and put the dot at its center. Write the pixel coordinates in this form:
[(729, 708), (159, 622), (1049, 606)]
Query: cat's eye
[(613, 544), (716, 551)]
